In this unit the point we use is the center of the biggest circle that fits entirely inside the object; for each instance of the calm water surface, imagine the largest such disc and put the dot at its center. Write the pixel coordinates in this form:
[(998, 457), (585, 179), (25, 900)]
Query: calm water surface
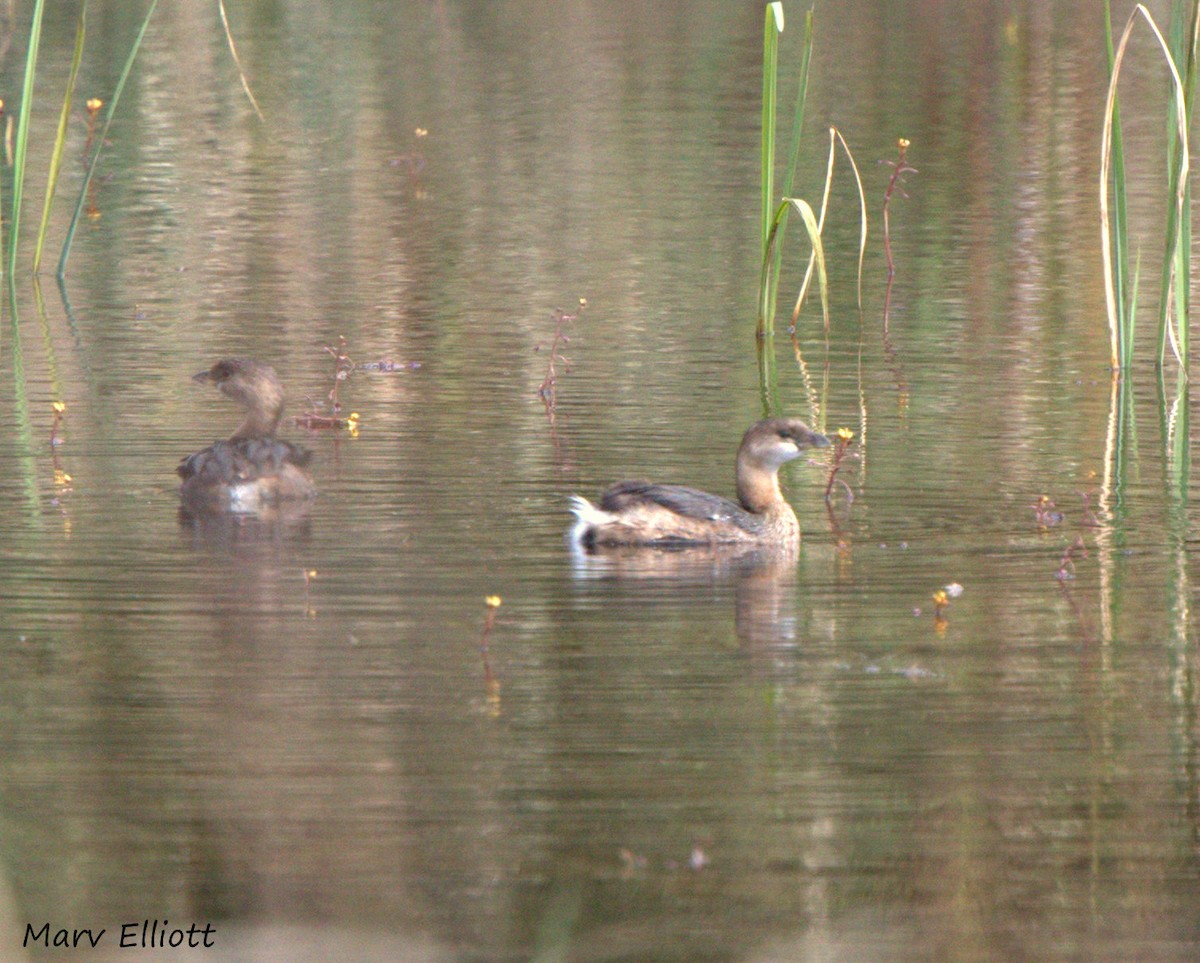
[(659, 756)]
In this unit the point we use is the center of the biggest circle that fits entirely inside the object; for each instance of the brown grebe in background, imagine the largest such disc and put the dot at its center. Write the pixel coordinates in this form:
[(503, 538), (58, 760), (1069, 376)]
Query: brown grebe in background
[(253, 469), (641, 513)]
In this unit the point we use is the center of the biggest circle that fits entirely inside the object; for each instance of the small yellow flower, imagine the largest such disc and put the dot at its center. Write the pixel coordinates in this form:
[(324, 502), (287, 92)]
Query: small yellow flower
[(583, 302), (421, 132), (845, 434), (59, 406), (492, 601), (940, 599), (94, 104), (903, 144)]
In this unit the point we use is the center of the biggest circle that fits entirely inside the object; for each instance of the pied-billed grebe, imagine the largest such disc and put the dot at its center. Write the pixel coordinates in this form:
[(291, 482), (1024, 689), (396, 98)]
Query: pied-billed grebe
[(253, 469), (640, 513)]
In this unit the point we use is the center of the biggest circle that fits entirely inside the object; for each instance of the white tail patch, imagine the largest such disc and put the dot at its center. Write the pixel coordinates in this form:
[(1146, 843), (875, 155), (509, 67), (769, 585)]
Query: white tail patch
[(587, 516)]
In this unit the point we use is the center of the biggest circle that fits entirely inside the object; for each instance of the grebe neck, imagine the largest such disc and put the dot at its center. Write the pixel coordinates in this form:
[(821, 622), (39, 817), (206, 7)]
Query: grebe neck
[(758, 488)]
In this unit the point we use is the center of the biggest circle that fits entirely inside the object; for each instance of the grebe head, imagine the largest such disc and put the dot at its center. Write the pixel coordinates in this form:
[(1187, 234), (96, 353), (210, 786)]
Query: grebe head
[(773, 442), (252, 385)]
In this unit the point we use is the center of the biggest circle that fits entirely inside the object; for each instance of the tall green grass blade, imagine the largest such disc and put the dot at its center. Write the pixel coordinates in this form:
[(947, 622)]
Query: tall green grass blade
[(108, 116), (793, 156), (35, 38), (1121, 337), (801, 98), (772, 27), (60, 139), (1184, 37)]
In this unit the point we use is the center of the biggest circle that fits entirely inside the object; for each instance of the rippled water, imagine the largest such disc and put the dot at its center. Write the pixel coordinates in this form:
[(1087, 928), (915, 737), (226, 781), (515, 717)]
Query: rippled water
[(673, 756)]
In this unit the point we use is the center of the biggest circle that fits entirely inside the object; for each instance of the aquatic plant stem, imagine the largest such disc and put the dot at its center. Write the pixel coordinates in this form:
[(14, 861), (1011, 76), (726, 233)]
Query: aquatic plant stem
[(108, 116), (899, 167), (236, 59)]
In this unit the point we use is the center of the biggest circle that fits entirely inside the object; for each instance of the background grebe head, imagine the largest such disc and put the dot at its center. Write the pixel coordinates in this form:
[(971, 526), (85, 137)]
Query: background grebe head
[(255, 387)]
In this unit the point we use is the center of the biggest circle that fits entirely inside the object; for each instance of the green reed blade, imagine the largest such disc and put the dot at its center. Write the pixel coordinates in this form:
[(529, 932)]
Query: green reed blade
[(1120, 325), (60, 139), (772, 27), (1118, 260), (835, 137), (801, 98), (862, 215), (35, 37), (767, 283), (1174, 298), (814, 238), (108, 116), (793, 151)]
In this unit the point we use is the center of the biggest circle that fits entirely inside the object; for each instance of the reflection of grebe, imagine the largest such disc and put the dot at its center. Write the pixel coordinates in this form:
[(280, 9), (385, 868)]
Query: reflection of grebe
[(253, 469), (640, 513)]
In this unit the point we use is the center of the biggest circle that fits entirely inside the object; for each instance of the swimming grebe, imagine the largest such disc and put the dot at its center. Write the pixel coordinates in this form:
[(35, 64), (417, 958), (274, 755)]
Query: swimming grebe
[(253, 469), (640, 513)]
